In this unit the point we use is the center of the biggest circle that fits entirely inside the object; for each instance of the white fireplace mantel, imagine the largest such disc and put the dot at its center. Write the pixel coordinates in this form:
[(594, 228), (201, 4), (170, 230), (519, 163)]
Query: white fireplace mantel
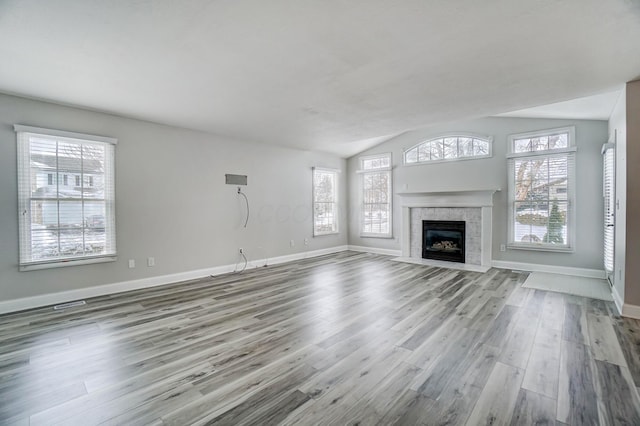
[(464, 198), (476, 198)]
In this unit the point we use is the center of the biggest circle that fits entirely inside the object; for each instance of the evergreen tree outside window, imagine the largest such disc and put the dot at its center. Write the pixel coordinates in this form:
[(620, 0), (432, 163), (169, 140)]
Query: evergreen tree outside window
[(557, 220)]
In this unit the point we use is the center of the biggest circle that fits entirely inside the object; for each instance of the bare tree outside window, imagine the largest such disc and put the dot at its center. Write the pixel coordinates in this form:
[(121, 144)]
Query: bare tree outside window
[(448, 148)]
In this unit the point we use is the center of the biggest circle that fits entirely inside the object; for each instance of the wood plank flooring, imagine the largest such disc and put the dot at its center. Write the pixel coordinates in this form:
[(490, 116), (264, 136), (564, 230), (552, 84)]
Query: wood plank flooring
[(350, 338)]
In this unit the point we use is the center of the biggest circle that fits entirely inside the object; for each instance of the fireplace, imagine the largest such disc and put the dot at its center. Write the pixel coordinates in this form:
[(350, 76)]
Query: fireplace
[(474, 207), (443, 240)]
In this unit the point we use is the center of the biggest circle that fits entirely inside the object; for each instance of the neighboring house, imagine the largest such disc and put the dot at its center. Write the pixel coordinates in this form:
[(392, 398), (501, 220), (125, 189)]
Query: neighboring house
[(77, 178)]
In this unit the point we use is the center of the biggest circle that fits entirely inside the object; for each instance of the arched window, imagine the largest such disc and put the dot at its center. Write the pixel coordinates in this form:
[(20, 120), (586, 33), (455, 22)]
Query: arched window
[(450, 147)]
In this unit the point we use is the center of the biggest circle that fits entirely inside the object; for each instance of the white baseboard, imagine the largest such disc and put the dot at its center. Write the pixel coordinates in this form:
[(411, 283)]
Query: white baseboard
[(302, 255), (102, 290), (630, 311), (563, 270), (617, 299), (375, 250), (625, 309)]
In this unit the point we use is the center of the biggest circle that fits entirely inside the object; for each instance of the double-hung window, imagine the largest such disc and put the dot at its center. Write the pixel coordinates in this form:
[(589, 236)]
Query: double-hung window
[(376, 195), (325, 201), (542, 190), (60, 224)]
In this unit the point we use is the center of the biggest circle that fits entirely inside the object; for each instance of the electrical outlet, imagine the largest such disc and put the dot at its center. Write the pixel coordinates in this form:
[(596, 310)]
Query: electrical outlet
[(292, 243), (503, 247), (151, 261), (306, 241), (132, 263)]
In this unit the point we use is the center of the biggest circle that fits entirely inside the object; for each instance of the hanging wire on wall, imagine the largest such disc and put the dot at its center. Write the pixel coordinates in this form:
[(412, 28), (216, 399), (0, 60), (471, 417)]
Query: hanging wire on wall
[(245, 263), (246, 200)]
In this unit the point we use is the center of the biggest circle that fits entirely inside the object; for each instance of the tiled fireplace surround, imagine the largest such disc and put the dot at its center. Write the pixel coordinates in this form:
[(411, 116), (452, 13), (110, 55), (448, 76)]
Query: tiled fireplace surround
[(475, 207)]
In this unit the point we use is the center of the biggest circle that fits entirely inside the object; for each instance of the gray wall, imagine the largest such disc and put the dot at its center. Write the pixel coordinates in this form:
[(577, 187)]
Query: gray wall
[(632, 275), (172, 202), (492, 173), (618, 127), (171, 199)]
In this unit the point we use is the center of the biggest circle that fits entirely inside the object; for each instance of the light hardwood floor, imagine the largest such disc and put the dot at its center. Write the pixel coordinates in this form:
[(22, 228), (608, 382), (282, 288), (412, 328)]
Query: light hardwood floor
[(350, 338)]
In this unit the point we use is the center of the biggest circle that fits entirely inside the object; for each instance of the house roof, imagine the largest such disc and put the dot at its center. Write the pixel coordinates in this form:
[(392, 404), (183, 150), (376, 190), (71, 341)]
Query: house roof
[(65, 164), (331, 76)]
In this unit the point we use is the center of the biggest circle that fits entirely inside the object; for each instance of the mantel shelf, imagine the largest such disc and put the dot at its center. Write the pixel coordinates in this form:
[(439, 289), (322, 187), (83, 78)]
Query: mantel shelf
[(448, 191), (448, 198)]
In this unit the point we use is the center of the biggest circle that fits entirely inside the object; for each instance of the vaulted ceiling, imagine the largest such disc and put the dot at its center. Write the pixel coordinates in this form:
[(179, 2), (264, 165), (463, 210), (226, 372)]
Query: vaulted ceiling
[(330, 75)]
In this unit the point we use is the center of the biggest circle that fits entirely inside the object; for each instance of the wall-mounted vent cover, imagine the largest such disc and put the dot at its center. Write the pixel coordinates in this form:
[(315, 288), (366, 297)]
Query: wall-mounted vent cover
[(235, 179)]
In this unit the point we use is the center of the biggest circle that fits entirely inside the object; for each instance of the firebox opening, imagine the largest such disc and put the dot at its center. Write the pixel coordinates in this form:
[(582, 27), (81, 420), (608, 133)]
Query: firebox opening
[(443, 240)]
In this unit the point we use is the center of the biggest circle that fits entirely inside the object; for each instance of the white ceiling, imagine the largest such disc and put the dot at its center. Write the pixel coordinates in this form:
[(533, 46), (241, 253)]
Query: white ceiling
[(332, 75), (596, 107)]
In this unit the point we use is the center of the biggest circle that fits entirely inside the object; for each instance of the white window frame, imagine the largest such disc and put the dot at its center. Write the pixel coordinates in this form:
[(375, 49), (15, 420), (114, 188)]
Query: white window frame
[(609, 195), (570, 151), (363, 172), (26, 263), (484, 138), (336, 201)]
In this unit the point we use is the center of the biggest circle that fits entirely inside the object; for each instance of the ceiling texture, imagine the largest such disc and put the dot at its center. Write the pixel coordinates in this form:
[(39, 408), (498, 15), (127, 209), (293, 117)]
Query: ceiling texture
[(330, 75), (595, 107)]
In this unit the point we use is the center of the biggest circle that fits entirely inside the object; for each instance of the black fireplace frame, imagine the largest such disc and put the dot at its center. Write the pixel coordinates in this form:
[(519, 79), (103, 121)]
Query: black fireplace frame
[(444, 225)]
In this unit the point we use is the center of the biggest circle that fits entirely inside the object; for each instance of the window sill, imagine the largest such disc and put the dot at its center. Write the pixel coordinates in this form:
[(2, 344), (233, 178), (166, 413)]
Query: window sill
[(534, 247), (326, 233), (65, 263), (385, 236)]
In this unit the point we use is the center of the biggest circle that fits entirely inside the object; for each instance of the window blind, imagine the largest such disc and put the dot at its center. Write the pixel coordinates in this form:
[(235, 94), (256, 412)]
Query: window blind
[(608, 192), (541, 195), (66, 196), (542, 190)]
